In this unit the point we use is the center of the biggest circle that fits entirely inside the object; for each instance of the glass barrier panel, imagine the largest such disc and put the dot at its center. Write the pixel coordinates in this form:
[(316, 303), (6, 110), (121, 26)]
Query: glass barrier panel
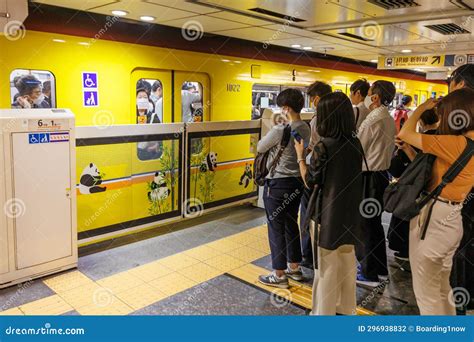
[(222, 172), (117, 189)]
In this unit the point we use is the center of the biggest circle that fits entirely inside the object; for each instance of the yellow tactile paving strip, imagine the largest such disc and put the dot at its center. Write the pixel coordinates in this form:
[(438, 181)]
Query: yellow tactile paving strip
[(298, 293), (134, 289)]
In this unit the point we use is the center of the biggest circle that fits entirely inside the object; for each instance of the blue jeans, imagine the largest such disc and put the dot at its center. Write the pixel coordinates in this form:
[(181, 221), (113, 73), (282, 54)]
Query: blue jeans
[(282, 198)]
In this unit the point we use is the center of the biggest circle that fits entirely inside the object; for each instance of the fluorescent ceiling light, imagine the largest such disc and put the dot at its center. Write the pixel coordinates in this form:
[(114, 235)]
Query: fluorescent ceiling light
[(147, 18), (119, 13)]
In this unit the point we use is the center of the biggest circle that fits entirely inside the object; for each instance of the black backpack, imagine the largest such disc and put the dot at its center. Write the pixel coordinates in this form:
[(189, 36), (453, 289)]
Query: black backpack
[(404, 198), (260, 169)]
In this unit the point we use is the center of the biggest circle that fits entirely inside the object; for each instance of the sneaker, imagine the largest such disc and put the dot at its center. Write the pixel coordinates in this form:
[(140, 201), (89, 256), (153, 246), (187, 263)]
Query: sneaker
[(401, 256), (367, 282), (273, 280), (294, 274)]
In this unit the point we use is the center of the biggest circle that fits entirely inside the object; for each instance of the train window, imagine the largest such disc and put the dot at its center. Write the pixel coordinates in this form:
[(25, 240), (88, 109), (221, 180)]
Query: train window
[(149, 101), (191, 102), (32, 89), (192, 109), (304, 90), (263, 96), (149, 110)]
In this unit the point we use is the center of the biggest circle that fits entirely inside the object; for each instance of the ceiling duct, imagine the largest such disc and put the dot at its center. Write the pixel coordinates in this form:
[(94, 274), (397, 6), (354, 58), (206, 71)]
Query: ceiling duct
[(394, 4), (276, 14), (447, 29), (355, 36), (462, 4)]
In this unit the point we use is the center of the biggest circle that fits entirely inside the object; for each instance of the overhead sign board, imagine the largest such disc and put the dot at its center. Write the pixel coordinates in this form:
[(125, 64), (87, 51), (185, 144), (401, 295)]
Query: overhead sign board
[(423, 61)]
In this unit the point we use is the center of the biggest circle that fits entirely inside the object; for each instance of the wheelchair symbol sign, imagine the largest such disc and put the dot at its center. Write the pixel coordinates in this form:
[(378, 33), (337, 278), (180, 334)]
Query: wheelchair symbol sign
[(33, 138), (89, 80), (38, 138)]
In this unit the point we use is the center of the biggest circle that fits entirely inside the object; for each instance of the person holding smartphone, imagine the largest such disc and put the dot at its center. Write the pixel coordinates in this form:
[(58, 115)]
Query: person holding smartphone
[(336, 172), (282, 192)]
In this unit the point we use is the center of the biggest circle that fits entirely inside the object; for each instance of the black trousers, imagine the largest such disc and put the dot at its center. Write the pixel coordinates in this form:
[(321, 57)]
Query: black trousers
[(306, 246), (282, 198), (398, 234), (371, 250)]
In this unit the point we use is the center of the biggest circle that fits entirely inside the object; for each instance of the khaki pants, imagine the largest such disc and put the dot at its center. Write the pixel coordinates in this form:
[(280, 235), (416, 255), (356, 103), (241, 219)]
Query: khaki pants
[(334, 285), (431, 259)]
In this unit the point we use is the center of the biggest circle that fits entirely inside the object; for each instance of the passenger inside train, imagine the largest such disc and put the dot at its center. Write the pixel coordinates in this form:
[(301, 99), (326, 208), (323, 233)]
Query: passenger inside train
[(237, 159)]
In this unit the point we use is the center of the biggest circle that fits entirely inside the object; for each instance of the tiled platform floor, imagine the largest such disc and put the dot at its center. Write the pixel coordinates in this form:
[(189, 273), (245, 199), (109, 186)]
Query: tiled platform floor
[(206, 269)]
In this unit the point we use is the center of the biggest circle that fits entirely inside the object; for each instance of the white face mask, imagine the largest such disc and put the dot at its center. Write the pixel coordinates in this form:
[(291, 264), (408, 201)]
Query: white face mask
[(142, 104), (368, 101), (39, 100)]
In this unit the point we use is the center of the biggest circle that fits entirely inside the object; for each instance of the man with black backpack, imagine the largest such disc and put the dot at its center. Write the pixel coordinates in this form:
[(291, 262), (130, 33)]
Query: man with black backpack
[(283, 188)]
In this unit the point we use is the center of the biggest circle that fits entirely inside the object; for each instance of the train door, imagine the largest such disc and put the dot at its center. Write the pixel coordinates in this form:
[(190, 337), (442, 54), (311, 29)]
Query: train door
[(154, 86), (192, 95)]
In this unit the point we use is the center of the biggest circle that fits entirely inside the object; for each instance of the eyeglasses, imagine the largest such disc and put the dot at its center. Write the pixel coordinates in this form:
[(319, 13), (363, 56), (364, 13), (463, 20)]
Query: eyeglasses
[(449, 79)]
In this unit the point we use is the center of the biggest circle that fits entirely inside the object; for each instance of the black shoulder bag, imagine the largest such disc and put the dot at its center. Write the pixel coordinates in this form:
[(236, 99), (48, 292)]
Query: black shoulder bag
[(405, 198), (260, 169)]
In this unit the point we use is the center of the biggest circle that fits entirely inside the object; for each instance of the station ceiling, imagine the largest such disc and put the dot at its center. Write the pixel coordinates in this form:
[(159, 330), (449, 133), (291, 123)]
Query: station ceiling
[(359, 29)]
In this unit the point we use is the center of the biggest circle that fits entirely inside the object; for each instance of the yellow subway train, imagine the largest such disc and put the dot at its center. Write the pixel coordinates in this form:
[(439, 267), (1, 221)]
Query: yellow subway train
[(138, 182)]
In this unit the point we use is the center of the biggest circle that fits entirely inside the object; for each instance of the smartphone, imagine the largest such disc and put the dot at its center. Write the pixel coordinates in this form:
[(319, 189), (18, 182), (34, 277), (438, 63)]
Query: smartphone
[(298, 138)]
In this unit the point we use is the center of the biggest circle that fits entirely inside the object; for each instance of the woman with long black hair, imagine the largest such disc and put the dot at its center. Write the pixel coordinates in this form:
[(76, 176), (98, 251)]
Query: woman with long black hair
[(335, 175)]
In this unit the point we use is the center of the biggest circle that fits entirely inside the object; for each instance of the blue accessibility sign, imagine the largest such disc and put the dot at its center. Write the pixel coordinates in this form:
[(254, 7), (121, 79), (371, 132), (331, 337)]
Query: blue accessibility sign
[(89, 80), (39, 138), (33, 138), (91, 99)]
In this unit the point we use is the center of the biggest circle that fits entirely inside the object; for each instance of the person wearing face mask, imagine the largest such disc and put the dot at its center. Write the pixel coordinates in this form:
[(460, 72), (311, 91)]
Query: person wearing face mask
[(376, 134), (315, 92), (157, 97), (283, 189), (29, 92), (358, 93), (143, 106)]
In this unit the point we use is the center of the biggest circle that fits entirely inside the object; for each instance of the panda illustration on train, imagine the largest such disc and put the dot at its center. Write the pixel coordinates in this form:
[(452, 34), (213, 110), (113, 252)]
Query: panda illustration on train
[(209, 163), (158, 188)]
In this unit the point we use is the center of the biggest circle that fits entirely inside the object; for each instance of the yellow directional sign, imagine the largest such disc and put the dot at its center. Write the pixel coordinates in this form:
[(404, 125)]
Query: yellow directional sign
[(405, 62)]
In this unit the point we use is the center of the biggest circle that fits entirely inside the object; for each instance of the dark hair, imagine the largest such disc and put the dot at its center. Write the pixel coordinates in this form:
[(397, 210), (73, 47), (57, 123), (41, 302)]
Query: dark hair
[(335, 116), (456, 112), (139, 90), (429, 117), (46, 86), (155, 86), (406, 99), (144, 85), (292, 98), (26, 84), (464, 73), (385, 90), (318, 88), (360, 85), (187, 86)]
